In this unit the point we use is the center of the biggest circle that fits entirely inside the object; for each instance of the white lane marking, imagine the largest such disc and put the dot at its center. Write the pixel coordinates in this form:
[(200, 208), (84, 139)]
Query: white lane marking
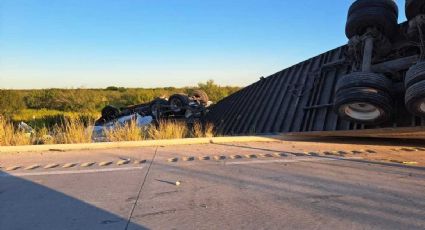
[(70, 172), (278, 161)]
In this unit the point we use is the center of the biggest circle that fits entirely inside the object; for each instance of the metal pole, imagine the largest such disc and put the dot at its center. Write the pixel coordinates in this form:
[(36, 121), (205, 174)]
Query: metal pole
[(367, 54)]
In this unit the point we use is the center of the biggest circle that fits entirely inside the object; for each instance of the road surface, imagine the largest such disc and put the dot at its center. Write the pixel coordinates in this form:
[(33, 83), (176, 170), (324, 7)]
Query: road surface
[(221, 186)]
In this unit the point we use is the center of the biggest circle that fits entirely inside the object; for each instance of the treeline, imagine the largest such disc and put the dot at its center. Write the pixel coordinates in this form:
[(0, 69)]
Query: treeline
[(84, 100)]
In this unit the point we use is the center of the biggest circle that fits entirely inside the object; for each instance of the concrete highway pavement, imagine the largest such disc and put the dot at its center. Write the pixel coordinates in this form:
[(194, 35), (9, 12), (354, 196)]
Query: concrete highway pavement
[(268, 187)]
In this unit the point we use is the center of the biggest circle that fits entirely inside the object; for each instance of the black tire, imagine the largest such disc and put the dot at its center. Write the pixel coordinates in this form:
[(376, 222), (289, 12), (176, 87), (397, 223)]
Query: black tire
[(156, 107), (382, 103), (178, 102), (415, 74), (413, 8), (110, 113), (364, 79), (415, 99), (200, 96), (364, 14), (389, 5)]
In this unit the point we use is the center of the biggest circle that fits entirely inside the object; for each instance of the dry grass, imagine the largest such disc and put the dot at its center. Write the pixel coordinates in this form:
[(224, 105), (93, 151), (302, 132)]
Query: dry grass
[(199, 131), (10, 136), (127, 132), (72, 131), (168, 130), (43, 137)]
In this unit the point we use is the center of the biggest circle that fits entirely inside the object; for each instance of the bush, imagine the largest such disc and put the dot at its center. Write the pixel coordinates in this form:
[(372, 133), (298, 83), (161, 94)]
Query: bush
[(11, 102)]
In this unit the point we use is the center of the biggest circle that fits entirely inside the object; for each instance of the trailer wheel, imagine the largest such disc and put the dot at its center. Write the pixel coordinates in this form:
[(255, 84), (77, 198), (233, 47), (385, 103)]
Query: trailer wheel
[(155, 107), (415, 74), (415, 99), (364, 79), (413, 8), (364, 14), (200, 96), (178, 102), (110, 112), (364, 105)]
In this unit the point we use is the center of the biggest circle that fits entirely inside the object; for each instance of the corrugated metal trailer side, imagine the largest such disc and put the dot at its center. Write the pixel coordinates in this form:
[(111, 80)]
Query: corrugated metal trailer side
[(297, 99)]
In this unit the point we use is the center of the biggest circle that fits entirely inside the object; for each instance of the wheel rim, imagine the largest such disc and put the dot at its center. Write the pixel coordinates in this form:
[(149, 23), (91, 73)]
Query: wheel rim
[(362, 111), (422, 106), (176, 105)]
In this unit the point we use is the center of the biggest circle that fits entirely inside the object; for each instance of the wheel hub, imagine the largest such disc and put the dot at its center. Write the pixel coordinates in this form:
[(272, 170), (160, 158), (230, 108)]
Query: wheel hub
[(422, 106), (363, 111)]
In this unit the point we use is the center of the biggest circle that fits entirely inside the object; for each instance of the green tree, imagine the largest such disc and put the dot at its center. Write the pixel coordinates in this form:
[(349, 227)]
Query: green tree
[(11, 102), (216, 92)]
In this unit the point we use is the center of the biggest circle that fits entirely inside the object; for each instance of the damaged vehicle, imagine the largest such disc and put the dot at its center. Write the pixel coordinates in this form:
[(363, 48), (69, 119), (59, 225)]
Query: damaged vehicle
[(177, 106), (188, 108)]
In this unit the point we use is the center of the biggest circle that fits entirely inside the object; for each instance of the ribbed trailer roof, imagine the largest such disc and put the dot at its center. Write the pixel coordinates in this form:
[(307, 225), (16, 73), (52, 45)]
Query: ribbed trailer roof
[(297, 99)]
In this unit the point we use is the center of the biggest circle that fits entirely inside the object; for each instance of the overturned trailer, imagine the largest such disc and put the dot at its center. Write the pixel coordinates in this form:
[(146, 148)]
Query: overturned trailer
[(373, 86)]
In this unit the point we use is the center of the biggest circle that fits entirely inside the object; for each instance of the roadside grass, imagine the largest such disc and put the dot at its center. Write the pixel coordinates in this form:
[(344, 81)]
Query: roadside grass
[(127, 132), (199, 131), (72, 131), (168, 129), (9, 135), (79, 130)]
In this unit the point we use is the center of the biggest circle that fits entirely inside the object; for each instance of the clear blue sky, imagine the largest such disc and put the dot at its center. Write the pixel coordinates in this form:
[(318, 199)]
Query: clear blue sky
[(150, 43)]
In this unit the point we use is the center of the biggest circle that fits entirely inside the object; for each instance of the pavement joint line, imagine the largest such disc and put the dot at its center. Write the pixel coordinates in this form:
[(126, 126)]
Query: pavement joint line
[(72, 172), (280, 161), (139, 194), (31, 167), (69, 165), (51, 166), (87, 164), (105, 163)]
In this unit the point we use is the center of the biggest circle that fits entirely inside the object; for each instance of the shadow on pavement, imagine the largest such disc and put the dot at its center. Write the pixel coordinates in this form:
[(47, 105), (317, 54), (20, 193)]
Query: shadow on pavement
[(27, 205), (371, 201)]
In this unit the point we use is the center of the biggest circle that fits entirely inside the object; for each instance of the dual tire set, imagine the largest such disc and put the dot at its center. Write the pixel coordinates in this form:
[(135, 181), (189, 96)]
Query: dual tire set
[(365, 97)]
